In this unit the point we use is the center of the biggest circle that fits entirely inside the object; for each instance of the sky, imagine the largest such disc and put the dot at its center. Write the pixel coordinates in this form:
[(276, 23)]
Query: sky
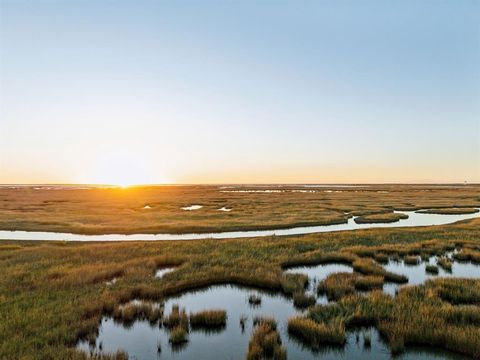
[(251, 91)]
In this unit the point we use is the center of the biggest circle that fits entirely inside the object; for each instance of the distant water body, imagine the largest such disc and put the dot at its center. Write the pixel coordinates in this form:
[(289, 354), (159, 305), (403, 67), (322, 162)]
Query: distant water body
[(414, 219)]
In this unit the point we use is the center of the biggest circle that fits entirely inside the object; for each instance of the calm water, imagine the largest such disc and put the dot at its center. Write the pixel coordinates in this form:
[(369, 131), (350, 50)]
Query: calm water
[(417, 274), (141, 339), (316, 274), (414, 219)]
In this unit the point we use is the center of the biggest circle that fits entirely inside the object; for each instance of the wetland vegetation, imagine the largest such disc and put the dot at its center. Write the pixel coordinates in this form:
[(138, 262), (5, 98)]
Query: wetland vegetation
[(76, 300), (91, 210)]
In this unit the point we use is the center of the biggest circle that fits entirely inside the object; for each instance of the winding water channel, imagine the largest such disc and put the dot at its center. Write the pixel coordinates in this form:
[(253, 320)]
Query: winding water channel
[(414, 219)]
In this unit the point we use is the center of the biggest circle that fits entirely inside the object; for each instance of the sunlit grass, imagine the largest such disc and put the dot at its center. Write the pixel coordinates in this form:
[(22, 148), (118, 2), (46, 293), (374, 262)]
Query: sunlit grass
[(56, 291)]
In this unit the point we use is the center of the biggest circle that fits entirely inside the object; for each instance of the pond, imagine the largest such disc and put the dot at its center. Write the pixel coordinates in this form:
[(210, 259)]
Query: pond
[(142, 339), (414, 219), (316, 274)]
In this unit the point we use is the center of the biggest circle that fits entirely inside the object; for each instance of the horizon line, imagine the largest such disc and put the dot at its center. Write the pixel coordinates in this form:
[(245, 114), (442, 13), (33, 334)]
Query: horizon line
[(243, 184)]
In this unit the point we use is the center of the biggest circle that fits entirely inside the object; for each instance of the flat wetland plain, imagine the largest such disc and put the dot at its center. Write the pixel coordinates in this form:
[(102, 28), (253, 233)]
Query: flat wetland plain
[(54, 295)]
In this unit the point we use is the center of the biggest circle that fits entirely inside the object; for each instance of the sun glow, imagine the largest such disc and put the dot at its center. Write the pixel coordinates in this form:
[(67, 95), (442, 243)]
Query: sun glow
[(123, 169)]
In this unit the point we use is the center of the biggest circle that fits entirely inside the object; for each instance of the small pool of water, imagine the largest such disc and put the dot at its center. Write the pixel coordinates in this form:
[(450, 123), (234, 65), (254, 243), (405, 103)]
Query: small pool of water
[(161, 272), (316, 274), (192, 207), (414, 219)]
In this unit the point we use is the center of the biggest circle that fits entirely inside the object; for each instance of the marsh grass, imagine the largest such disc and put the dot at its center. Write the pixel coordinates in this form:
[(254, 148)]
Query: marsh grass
[(141, 311), (458, 291), (60, 310), (208, 318), (370, 267), (268, 320), (254, 299), (380, 218), (445, 263), (294, 283), (463, 315), (319, 258), (416, 316), (468, 255), (265, 342), (315, 334), (337, 285), (450, 211), (431, 269), (177, 318), (115, 210), (366, 283), (178, 335), (381, 258), (302, 300), (411, 260)]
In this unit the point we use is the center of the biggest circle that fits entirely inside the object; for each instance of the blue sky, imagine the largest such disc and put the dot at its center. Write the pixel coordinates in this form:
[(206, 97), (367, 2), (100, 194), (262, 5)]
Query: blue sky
[(239, 91)]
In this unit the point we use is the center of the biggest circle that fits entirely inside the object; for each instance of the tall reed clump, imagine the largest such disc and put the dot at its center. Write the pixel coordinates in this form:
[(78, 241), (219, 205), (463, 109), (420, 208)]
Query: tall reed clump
[(265, 342), (208, 318), (370, 267), (316, 258), (292, 283), (381, 258), (177, 322), (254, 299), (177, 317), (468, 255), (315, 334), (302, 300), (445, 263), (178, 335), (138, 311), (337, 285), (431, 269), (411, 260), (270, 321), (366, 283)]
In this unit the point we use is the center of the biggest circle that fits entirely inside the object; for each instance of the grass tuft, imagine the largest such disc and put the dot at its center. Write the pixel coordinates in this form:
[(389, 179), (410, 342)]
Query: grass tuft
[(315, 334), (431, 269), (265, 342), (302, 300), (208, 318), (254, 299), (178, 335)]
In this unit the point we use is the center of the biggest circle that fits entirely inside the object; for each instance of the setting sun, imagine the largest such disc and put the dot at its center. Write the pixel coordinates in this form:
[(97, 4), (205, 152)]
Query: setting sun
[(122, 168)]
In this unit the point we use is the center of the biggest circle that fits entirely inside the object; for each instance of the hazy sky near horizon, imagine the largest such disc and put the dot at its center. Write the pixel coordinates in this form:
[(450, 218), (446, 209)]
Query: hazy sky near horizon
[(239, 91)]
